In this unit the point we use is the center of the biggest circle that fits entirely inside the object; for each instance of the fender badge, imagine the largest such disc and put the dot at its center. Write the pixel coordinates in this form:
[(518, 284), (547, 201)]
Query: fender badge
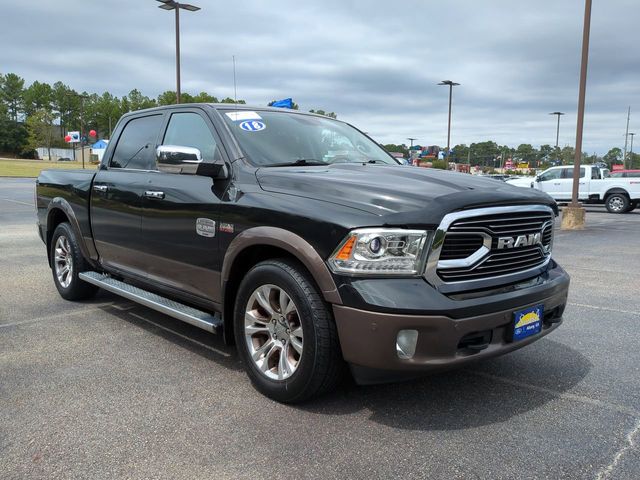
[(226, 227), (206, 227)]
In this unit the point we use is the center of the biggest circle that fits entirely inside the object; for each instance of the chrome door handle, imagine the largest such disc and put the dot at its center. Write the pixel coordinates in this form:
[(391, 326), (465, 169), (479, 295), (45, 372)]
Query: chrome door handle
[(154, 194), (101, 188)]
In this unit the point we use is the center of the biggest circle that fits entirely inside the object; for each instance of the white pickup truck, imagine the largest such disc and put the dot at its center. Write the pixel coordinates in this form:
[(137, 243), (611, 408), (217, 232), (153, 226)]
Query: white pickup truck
[(619, 195)]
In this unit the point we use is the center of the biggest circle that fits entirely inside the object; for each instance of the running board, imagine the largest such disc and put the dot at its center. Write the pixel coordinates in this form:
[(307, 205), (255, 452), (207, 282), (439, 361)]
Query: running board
[(197, 318)]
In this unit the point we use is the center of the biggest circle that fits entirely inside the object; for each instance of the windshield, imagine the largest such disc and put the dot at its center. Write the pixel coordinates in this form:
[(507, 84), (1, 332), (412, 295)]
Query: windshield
[(270, 138)]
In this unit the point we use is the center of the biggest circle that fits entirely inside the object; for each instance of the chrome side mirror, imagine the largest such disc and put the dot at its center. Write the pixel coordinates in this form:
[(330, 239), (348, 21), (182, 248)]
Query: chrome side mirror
[(178, 159)]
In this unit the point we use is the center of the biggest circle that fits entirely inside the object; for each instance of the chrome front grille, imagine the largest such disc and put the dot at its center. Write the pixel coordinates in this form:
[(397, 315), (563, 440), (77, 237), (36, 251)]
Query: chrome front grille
[(496, 243)]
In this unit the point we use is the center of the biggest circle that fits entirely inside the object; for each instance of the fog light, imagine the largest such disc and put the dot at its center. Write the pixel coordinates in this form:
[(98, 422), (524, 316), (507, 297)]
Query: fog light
[(406, 343)]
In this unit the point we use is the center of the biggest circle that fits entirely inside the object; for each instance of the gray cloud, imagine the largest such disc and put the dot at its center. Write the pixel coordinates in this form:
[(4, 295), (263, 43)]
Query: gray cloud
[(375, 63)]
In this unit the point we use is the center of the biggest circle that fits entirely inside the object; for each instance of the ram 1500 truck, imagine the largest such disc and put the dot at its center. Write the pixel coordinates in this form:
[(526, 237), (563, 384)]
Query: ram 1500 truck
[(299, 239), (619, 194)]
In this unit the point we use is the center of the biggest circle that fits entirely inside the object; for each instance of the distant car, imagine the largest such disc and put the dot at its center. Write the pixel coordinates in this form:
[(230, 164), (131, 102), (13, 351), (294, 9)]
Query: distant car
[(625, 174), (64, 159)]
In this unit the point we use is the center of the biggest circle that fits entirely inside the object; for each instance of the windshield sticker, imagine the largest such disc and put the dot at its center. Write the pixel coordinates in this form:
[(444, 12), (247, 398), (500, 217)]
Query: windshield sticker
[(237, 116), (252, 126)]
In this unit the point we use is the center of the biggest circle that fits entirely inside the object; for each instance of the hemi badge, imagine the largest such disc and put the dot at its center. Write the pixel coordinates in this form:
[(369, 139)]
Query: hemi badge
[(226, 227), (206, 227)]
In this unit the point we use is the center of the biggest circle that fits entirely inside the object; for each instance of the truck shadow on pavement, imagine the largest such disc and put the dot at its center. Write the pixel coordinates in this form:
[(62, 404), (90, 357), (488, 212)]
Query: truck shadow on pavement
[(485, 393)]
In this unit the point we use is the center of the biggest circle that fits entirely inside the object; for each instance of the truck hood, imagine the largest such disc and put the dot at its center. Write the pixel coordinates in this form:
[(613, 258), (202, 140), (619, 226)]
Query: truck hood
[(403, 195)]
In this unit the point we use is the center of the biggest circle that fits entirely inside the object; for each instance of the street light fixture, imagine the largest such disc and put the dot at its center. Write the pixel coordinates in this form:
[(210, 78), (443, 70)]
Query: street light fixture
[(559, 114), (411, 140), (173, 5), (451, 85)]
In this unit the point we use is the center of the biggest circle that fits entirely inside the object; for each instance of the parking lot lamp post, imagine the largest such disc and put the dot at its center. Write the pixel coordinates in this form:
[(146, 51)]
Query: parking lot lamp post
[(173, 5), (451, 85), (559, 114), (573, 214), (631, 134)]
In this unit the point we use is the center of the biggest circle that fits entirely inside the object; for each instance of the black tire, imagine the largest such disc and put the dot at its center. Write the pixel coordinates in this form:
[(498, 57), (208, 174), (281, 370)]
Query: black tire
[(617, 203), (632, 206), (76, 289), (320, 366)]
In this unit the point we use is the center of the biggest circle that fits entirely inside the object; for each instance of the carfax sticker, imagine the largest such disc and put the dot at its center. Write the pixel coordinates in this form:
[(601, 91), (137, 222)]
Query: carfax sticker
[(238, 116), (252, 126)]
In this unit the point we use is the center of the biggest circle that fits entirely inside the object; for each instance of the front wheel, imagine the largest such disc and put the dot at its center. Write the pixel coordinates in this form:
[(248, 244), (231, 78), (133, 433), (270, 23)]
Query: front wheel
[(617, 203), (66, 263), (285, 333)]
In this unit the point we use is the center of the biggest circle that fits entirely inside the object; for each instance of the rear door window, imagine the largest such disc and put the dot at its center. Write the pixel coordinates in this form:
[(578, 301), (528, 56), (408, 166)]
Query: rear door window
[(137, 144)]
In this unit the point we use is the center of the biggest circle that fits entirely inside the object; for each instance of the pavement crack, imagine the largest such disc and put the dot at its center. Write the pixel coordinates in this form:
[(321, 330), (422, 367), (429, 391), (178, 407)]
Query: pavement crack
[(606, 471)]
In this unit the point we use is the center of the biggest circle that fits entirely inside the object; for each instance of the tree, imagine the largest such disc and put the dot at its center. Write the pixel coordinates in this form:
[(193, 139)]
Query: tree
[(392, 147), (231, 100), (567, 155), (613, 156), (11, 92), (460, 153), (38, 96), (41, 131), (204, 97), (138, 101), (13, 135), (485, 153)]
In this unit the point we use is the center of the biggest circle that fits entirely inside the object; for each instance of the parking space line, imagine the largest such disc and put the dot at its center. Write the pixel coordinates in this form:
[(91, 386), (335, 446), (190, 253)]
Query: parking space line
[(184, 337), (565, 396), (609, 309), (96, 307), (16, 201)]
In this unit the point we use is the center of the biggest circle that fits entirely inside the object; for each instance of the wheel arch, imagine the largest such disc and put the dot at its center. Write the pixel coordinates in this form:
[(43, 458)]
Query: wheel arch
[(613, 190), (263, 243), (60, 211)]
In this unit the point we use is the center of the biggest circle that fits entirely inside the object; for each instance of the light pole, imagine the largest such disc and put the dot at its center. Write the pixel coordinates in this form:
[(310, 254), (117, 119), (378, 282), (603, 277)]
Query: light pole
[(631, 150), (559, 114), (411, 140), (451, 85), (573, 215), (173, 5)]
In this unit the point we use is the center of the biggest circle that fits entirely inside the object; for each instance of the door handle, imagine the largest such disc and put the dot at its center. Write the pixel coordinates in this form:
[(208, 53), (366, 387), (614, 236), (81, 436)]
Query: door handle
[(154, 194), (101, 188), (557, 184)]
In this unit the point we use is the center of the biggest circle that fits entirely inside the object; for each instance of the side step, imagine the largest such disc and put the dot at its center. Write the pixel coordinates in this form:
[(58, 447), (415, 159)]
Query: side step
[(197, 318)]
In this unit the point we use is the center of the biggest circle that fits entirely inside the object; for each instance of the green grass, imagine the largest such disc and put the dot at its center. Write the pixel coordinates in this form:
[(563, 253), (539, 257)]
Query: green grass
[(32, 168)]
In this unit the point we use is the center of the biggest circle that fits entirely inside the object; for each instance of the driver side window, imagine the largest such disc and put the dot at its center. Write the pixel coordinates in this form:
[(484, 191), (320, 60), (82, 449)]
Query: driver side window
[(188, 129), (551, 175)]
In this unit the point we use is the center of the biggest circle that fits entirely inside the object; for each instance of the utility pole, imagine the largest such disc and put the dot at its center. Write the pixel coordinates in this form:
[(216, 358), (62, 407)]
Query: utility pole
[(451, 85), (626, 137), (573, 214), (559, 114)]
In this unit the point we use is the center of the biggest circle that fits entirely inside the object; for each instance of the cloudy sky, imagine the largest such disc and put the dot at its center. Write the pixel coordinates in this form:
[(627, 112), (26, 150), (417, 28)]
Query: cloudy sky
[(375, 63)]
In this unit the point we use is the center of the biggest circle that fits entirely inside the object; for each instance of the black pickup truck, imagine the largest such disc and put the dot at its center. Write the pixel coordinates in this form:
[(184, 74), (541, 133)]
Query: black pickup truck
[(302, 241)]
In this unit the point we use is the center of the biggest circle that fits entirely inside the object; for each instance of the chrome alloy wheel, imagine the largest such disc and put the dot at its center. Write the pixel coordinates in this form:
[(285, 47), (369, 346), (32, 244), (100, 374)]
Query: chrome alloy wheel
[(63, 261), (273, 331), (616, 204)]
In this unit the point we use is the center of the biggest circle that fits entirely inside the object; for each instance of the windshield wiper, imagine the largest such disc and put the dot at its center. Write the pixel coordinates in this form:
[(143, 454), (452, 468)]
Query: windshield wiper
[(300, 162)]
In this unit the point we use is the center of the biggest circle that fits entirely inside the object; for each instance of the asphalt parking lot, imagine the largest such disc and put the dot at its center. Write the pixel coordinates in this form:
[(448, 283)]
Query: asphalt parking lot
[(108, 389)]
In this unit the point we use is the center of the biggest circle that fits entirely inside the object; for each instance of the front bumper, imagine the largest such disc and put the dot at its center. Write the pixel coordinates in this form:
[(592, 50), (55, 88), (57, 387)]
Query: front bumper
[(368, 338)]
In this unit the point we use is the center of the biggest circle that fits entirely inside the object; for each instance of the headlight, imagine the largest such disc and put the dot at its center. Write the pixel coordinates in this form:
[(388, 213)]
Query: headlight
[(371, 251)]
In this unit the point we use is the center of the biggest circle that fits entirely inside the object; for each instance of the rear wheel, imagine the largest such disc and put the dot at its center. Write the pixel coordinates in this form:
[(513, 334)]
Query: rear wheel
[(285, 333), (66, 263), (617, 203)]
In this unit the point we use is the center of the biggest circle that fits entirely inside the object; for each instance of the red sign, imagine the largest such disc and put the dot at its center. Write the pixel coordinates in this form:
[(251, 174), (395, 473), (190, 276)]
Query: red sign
[(617, 166)]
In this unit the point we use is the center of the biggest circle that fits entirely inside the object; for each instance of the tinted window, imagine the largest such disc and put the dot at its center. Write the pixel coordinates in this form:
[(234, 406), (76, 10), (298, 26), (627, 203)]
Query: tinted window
[(190, 130), (137, 144), (633, 174), (618, 175), (568, 172)]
